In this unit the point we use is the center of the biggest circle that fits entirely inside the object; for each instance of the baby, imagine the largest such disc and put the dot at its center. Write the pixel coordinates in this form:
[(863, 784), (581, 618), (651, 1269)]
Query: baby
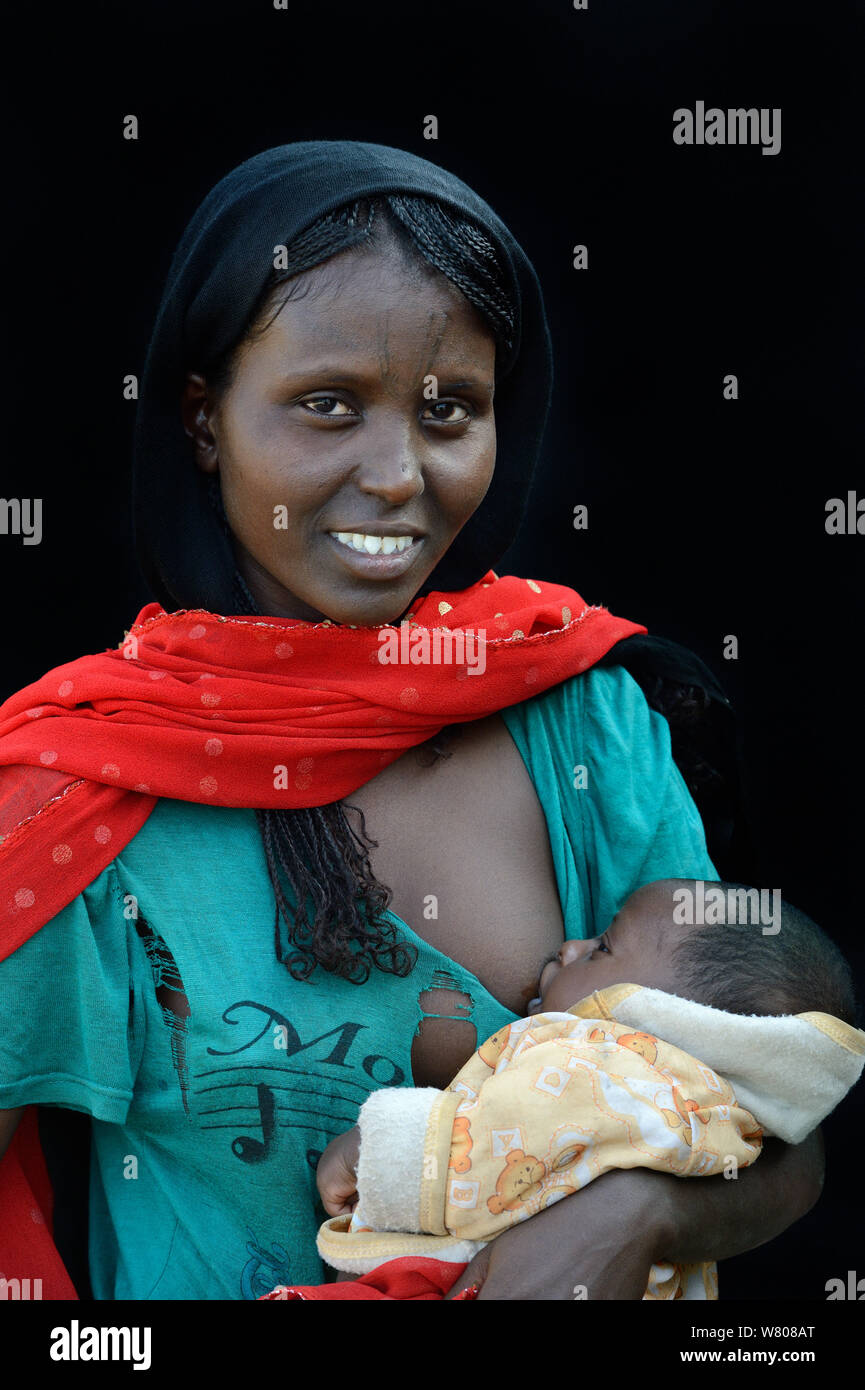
[(706, 1015)]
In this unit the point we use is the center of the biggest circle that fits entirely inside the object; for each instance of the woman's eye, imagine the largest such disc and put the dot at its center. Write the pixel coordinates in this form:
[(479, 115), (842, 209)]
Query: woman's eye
[(328, 402), (444, 419)]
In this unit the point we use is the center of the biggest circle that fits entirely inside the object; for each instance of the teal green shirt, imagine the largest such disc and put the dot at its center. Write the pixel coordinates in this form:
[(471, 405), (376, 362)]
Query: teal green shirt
[(155, 1003)]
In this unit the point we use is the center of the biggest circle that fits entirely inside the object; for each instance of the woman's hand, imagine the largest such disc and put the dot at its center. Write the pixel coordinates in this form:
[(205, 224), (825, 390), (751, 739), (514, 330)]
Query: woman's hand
[(601, 1242), (336, 1174)]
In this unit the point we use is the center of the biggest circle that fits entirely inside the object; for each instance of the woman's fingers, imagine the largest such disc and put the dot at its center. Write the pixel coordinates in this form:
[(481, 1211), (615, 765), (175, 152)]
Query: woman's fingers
[(475, 1272)]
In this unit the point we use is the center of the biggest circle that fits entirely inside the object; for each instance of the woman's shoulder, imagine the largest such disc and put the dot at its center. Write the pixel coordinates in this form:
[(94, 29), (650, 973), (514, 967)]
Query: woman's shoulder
[(595, 732), (602, 695), (178, 842)]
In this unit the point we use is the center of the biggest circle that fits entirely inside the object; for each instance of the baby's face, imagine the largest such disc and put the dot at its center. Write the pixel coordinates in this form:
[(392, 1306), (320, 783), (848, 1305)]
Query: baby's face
[(635, 949)]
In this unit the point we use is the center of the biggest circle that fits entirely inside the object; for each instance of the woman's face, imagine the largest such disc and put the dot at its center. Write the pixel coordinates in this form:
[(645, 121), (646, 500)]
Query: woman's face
[(330, 425)]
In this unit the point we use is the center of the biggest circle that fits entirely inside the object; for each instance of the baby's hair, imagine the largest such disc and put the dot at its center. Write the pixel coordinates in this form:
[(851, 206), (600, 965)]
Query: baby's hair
[(795, 970)]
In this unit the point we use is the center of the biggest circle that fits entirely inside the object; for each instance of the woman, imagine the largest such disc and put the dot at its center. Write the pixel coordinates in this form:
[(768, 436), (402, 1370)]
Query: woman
[(351, 346)]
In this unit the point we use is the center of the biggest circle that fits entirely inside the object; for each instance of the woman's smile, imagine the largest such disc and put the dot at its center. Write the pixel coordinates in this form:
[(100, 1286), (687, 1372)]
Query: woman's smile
[(355, 437), (374, 556)]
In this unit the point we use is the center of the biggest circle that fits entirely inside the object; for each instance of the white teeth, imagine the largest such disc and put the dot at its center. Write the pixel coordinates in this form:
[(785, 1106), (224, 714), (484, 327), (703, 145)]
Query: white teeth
[(373, 545)]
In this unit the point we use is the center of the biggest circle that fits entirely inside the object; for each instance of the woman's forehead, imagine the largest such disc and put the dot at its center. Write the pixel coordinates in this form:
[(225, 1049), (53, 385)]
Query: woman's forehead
[(360, 313)]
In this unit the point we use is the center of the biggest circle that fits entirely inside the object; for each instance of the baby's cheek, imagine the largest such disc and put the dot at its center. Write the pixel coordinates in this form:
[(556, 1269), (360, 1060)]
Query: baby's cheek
[(565, 990)]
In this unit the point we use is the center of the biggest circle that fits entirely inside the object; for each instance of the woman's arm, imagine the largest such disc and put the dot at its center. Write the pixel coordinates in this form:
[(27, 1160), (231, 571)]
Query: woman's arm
[(732, 1216), (605, 1238)]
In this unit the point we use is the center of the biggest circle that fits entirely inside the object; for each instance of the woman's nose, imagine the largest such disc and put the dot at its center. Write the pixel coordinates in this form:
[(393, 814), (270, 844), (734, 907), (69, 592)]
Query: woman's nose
[(391, 466)]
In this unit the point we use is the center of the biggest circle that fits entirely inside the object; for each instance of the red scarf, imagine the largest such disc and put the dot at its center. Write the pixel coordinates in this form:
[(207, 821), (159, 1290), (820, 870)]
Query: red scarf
[(239, 711)]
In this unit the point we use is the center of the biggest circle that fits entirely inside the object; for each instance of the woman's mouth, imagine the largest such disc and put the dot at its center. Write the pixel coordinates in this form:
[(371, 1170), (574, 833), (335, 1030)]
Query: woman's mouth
[(376, 556)]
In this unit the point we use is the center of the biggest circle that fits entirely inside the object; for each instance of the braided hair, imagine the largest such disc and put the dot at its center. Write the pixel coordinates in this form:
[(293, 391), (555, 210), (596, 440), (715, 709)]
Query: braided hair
[(338, 921)]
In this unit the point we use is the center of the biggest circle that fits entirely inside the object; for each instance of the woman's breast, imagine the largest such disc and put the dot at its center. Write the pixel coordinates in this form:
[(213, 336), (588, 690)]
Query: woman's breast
[(463, 845)]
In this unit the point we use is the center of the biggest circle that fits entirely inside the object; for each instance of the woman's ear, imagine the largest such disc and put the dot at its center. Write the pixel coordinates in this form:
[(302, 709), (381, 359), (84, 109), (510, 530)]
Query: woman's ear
[(196, 409)]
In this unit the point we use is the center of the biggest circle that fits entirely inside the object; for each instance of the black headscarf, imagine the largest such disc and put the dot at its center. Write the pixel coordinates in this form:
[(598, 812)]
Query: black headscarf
[(217, 275)]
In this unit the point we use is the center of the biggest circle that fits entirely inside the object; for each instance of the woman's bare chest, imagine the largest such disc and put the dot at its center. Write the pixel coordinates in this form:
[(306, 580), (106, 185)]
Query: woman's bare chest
[(464, 848)]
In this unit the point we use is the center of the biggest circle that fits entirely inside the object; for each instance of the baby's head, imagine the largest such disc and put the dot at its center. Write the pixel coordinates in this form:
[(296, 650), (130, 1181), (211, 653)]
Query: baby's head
[(720, 944)]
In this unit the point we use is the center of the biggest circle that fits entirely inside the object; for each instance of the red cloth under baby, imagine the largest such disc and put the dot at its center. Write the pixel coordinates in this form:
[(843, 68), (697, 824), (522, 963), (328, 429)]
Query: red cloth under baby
[(409, 1280)]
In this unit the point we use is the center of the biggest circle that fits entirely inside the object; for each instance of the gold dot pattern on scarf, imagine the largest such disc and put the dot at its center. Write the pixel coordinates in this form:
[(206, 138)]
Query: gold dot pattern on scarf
[(65, 688), (531, 675), (518, 632), (500, 620), (110, 770), (445, 607), (213, 747), (535, 588), (102, 834), (48, 756), (208, 699), (198, 631), (208, 785), (283, 649), (566, 615), (409, 696), (61, 854), (25, 897)]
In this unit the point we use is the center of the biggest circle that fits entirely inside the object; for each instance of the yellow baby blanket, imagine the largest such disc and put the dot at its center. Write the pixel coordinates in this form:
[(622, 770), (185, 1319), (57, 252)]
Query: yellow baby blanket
[(541, 1109)]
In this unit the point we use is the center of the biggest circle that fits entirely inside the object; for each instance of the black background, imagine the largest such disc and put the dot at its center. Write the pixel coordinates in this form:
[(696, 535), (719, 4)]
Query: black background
[(706, 516)]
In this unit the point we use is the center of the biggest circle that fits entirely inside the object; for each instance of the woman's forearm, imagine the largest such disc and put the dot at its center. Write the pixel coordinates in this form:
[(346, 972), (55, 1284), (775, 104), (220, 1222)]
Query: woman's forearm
[(716, 1218), (602, 1240)]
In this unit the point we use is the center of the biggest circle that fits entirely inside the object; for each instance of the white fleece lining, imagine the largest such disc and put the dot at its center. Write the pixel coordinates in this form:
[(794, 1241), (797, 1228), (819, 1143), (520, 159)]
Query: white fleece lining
[(342, 1251), (393, 1125), (785, 1069)]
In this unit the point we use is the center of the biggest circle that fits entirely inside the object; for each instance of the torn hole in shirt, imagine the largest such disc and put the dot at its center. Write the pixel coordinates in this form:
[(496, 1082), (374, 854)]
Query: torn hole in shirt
[(446, 1035)]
